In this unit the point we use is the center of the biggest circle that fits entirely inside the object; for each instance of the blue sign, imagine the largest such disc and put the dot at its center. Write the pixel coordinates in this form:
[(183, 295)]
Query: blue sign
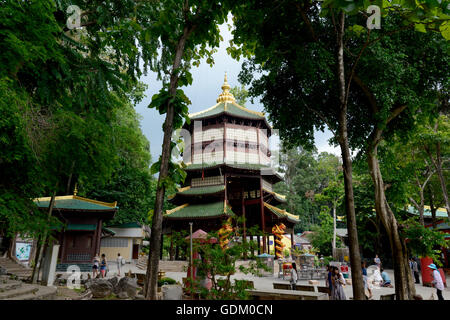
[(23, 250)]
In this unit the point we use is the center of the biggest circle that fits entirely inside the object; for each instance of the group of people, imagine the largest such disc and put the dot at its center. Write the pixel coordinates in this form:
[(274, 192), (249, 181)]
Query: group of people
[(335, 280), (100, 266)]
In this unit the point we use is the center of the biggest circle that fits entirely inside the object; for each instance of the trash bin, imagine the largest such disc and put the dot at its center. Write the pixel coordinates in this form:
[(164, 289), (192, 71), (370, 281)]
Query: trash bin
[(268, 260)]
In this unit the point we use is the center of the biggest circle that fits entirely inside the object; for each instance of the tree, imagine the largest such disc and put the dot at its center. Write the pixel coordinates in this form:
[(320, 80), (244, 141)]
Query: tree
[(314, 89), (64, 84), (240, 94), (130, 184), (435, 141), (323, 236), (219, 265), (184, 29), (306, 174), (333, 193), (321, 92)]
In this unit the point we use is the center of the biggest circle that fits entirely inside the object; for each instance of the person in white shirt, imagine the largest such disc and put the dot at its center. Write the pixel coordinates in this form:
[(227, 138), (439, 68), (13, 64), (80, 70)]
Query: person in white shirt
[(377, 261), (437, 281), (294, 275), (119, 263)]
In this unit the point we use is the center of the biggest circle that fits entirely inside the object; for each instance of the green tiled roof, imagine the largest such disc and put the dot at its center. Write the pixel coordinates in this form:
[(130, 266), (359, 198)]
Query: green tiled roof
[(276, 196), (228, 108), (282, 213), (202, 190), (75, 203), (245, 166), (126, 225), (81, 227), (107, 230), (207, 210), (440, 212)]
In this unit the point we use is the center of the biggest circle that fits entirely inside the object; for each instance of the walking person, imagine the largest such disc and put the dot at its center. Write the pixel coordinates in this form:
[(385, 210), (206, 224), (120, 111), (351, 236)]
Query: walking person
[(437, 281), (337, 292), (95, 266), (377, 261), (103, 266), (119, 263), (367, 286), (416, 271), (294, 276)]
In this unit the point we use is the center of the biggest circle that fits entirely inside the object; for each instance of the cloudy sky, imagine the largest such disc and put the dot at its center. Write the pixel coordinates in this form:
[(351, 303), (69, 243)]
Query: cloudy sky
[(203, 93)]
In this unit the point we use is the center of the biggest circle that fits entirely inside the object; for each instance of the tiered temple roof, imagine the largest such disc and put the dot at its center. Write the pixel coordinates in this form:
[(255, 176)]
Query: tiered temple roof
[(229, 178)]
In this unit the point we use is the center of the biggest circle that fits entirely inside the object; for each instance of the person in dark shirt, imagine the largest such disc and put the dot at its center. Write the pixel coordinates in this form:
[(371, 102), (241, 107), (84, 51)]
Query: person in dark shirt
[(328, 281)]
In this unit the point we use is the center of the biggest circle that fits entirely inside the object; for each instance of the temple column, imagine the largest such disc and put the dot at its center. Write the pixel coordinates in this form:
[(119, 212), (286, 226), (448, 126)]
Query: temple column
[(292, 238), (161, 250), (263, 223), (258, 238), (244, 235), (171, 253)]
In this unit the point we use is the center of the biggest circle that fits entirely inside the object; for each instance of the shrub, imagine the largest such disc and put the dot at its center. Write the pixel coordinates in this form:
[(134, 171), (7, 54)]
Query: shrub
[(164, 281)]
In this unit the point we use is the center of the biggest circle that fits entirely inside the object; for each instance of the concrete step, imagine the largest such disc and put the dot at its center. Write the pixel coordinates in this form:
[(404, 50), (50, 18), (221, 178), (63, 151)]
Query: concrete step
[(9, 285), (24, 289), (16, 269), (43, 293)]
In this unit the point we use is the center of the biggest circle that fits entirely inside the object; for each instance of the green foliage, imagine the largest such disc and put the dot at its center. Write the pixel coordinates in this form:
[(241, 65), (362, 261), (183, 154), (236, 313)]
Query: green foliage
[(423, 15), (307, 174), (219, 265), (60, 92), (240, 94), (166, 280), (322, 235), (422, 241)]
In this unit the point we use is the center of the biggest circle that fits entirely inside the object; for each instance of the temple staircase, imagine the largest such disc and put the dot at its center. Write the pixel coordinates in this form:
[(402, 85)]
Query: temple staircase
[(13, 268), (11, 289), (164, 265)]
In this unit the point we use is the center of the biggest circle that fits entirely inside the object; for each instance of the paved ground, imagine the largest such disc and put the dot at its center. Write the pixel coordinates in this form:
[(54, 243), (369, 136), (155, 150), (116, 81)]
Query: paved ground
[(265, 283)]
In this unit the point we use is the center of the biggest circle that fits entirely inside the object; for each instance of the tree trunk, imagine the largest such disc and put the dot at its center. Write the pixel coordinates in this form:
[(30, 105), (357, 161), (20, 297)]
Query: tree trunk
[(69, 180), (355, 258), (404, 286), (432, 207), (150, 288), (37, 265), (334, 228), (172, 249), (438, 166)]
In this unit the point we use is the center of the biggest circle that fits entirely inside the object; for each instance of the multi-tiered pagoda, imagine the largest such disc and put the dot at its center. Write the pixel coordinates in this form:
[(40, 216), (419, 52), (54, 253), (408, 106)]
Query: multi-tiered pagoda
[(228, 171)]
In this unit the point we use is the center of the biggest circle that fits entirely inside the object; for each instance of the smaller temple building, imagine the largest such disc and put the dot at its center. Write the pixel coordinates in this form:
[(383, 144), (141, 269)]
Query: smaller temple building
[(126, 239), (83, 219)]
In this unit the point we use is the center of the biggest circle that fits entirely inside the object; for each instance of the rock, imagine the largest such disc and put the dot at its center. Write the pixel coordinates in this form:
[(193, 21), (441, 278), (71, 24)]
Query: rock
[(100, 288), (126, 286), (172, 292), (114, 281), (3, 271), (122, 295), (313, 282)]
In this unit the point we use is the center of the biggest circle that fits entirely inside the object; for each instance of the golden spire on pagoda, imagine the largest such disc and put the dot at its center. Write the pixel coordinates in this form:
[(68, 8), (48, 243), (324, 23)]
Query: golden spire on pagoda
[(226, 95), (75, 191)]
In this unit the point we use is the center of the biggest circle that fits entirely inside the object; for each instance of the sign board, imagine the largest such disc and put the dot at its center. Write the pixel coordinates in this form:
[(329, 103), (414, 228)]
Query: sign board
[(23, 250)]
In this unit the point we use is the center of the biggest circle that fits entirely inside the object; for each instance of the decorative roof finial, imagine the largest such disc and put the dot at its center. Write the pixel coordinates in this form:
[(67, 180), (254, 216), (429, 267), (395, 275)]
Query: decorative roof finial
[(226, 95), (75, 191)]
